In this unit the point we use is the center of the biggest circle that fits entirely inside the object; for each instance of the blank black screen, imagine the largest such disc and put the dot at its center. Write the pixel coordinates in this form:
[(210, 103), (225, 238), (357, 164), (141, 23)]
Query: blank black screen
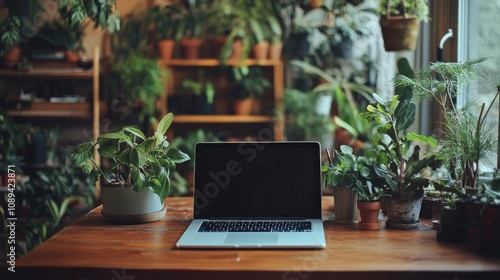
[(257, 180)]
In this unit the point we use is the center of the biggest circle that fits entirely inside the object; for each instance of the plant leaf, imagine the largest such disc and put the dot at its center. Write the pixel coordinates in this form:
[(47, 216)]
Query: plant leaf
[(164, 123)]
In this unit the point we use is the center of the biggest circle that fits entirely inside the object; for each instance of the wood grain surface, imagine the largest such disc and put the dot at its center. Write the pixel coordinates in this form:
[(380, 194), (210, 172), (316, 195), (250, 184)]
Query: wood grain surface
[(93, 248)]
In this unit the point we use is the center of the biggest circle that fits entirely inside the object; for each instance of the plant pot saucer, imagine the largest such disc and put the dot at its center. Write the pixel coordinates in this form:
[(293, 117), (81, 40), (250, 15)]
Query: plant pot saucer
[(393, 225), (135, 219)]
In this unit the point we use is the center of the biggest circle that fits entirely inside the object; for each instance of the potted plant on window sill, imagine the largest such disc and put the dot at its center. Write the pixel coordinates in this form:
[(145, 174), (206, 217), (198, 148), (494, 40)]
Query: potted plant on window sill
[(137, 180), (365, 177)]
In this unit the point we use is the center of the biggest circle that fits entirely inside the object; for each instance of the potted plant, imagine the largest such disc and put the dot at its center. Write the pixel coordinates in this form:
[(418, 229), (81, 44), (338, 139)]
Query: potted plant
[(137, 83), (490, 217), (20, 15), (400, 21), (348, 97), (193, 20), (364, 176), (57, 37), (250, 26), (468, 138), (167, 21), (204, 93), (137, 180), (249, 85), (402, 158), (346, 24)]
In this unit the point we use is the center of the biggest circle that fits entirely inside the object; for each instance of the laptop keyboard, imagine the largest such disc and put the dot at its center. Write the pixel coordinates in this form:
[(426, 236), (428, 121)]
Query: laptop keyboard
[(255, 226)]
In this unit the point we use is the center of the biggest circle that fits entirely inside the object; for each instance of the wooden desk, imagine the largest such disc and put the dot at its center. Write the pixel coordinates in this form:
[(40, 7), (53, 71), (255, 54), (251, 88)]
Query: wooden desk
[(94, 249)]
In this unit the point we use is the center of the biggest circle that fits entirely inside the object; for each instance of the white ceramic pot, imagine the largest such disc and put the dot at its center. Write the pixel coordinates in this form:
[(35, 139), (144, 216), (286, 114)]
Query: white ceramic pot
[(324, 104), (123, 204)]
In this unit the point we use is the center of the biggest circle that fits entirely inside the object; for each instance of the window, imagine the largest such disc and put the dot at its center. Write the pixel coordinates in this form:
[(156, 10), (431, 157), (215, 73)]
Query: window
[(478, 36)]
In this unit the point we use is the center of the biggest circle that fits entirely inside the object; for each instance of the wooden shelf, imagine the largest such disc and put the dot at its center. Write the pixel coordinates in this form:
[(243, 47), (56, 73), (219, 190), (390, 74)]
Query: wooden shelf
[(221, 119), (216, 62), (49, 73), (51, 114)]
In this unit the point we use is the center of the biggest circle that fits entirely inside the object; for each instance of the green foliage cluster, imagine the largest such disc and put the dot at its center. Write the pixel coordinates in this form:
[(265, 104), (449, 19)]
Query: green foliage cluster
[(249, 81), (417, 8), (395, 149), (468, 137), (19, 23), (138, 81), (362, 174), (136, 161)]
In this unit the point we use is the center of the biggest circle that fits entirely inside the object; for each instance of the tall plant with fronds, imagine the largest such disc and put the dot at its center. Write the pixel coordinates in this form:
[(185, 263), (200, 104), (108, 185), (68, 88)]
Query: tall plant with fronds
[(468, 136)]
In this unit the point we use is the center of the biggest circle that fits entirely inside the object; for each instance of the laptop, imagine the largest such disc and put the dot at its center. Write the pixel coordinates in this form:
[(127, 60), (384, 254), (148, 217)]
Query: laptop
[(256, 195)]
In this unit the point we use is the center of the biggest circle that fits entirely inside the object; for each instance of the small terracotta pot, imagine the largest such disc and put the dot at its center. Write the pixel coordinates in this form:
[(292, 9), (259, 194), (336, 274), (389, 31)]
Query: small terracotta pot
[(369, 211), (166, 49), (243, 106), (12, 57), (275, 51), (261, 50), (191, 47)]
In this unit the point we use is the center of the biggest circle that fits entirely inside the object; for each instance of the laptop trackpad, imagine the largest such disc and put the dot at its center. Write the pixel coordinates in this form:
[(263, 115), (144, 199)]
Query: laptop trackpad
[(249, 238)]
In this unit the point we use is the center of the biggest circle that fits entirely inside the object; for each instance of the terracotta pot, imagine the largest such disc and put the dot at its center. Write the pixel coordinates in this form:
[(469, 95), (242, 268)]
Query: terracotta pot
[(12, 57), (166, 49), (243, 106), (216, 45), (399, 33), (261, 50), (72, 56), (237, 50), (491, 231), (368, 211), (345, 208), (403, 210), (275, 51), (191, 47)]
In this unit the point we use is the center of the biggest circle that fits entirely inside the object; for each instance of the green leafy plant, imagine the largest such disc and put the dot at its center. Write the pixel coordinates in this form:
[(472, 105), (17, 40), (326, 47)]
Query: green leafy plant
[(303, 122), (362, 174), (350, 23), (193, 19), (249, 21), (249, 82), (21, 14), (138, 81), (349, 97), (135, 161), (61, 34), (416, 8), (396, 149), (200, 87), (468, 136), (166, 20)]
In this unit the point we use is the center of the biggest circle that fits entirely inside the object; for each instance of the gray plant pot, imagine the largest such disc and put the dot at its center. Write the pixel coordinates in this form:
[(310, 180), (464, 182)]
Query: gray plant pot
[(403, 210), (345, 209)]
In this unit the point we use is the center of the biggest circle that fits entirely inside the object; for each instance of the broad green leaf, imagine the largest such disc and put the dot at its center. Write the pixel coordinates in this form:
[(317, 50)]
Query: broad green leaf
[(135, 131), (109, 149), (139, 181), (164, 123), (406, 117), (346, 149), (426, 139), (148, 145), (177, 156)]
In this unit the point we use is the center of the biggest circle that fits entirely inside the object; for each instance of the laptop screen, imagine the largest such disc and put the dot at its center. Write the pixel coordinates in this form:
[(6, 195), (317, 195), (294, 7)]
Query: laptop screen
[(245, 180)]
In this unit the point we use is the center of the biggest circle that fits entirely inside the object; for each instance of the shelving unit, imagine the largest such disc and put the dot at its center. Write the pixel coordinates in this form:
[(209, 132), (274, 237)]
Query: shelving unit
[(180, 69), (81, 111)]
